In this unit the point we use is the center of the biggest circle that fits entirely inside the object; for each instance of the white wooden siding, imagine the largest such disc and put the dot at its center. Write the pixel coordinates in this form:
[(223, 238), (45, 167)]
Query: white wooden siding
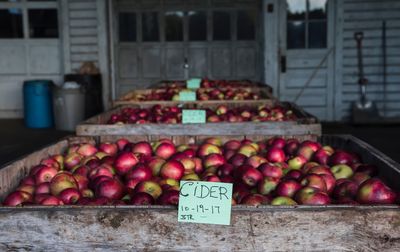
[(367, 16), (82, 32)]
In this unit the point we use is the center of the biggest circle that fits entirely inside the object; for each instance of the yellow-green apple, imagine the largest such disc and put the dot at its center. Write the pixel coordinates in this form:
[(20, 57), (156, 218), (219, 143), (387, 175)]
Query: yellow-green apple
[(297, 162), (312, 196), (342, 171), (283, 201), (267, 185), (62, 181), (150, 187)]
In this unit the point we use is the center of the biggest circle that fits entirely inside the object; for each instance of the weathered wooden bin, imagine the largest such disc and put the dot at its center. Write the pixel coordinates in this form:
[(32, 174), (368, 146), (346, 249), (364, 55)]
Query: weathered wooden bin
[(306, 124), (267, 228), (236, 83), (128, 98)]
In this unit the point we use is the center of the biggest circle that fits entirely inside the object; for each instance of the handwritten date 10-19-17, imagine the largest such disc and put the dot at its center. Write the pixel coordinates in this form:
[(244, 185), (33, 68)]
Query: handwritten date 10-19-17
[(202, 209)]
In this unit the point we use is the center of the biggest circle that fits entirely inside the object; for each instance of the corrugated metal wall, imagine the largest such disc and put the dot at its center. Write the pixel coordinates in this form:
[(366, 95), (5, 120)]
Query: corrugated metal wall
[(367, 16)]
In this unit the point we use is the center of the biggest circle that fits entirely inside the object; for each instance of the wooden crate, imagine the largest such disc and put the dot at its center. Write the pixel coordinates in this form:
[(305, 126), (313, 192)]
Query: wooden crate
[(305, 124), (128, 98), (265, 228), (238, 83)]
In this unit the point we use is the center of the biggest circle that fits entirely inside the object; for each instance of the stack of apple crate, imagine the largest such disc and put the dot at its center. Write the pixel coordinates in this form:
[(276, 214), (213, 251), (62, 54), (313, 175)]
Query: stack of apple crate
[(261, 228)]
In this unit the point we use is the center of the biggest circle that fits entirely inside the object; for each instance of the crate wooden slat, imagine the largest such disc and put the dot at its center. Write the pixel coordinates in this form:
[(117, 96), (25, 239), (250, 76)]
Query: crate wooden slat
[(247, 83), (265, 228), (305, 124), (128, 98)]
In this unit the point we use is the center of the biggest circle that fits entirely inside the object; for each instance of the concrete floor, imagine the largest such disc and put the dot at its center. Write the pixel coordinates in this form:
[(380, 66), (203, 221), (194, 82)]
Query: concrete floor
[(17, 140)]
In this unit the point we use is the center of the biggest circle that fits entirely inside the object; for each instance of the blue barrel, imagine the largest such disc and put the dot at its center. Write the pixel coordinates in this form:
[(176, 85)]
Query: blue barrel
[(38, 104)]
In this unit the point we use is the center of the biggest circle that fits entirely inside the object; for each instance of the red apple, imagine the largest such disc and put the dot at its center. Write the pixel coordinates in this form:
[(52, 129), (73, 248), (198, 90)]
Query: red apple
[(140, 171), (237, 160), (374, 191), (87, 150), (165, 150), (143, 148), (30, 180), (102, 170), (256, 161), (271, 170), (287, 188), (17, 198), (71, 160), (360, 177), (172, 169), (82, 181), (207, 149), (314, 180), (255, 200), (291, 146), (155, 165), (125, 162), (340, 157), (347, 189), (51, 201), (43, 188), (111, 189), (213, 159), (275, 155), (225, 170), (232, 145), (70, 196), (142, 198), (278, 142), (109, 148), (293, 174), (26, 188), (45, 174)]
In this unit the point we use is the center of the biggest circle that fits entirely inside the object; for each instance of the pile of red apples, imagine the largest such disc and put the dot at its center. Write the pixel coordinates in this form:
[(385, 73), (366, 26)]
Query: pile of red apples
[(202, 94), (173, 114), (276, 172)]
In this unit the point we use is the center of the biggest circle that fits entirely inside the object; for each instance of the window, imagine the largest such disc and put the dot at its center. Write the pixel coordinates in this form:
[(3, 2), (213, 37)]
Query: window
[(221, 25), (306, 24), (39, 20), (150, 27), (246, 25), (174, 26), (197, 25), (127, 26), (43, 23), (11, 23)]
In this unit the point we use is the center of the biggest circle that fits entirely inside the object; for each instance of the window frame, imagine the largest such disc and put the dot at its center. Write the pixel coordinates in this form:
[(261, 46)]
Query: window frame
[(233, 29), (24, 6), (307, 21)]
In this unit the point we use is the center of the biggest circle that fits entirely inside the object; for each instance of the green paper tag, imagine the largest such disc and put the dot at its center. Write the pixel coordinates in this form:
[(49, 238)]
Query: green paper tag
[(205, 202), (193, 116), (193, 83), (187, 96)]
